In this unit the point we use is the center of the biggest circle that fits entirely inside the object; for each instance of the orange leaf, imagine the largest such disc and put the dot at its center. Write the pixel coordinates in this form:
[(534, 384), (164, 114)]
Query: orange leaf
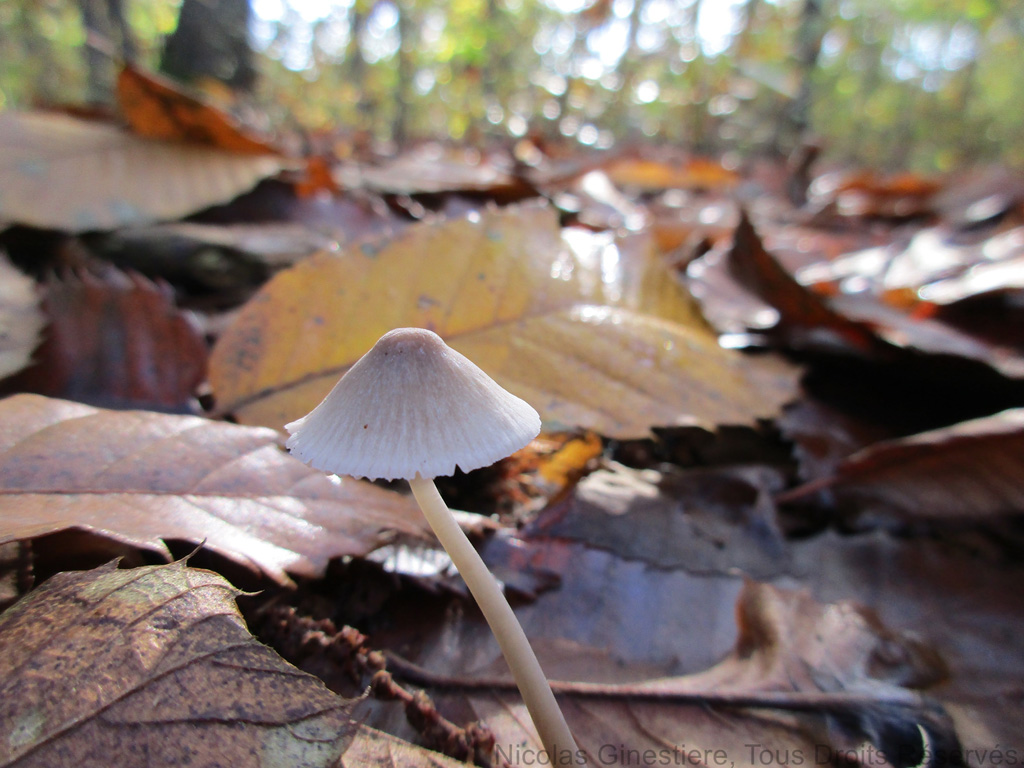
[(156, 109)]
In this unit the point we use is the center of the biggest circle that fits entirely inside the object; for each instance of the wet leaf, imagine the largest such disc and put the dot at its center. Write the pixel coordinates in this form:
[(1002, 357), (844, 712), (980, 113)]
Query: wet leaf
[(20, 318), (145, 478), (154, 666), (116, 340), (504, 290), (974, 469), (64, 173)]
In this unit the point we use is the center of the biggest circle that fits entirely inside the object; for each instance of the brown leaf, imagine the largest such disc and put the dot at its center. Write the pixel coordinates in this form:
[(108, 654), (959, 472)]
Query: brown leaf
[(144, 478), (799, 310), (154, 666), (803, 678), (59, 172), (20, 318), (119, 341), (431, 169), (974, 469), (929, 336), (705, 521), (869, 194)]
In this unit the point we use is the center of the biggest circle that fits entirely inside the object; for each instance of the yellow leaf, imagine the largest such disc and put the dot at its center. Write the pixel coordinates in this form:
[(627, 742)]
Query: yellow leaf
[(593, 331)]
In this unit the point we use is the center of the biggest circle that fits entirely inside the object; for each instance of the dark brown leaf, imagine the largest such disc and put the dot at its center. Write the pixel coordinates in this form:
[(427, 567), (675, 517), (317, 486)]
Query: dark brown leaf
[(799, 310), (118, 341), (972, 469)]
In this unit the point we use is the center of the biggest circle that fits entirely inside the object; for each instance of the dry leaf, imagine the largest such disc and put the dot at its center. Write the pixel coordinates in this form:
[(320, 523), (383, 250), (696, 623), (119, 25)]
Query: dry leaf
[(800, 312), (926, 335), (588, 336), (20, 319), (158, 109), (431, 169), (59, 172), (371, 748), (868, 194), (972, 469), (144, 478), (154, 666), (118, 341), (654, 175), (803, 678), (704, 521)]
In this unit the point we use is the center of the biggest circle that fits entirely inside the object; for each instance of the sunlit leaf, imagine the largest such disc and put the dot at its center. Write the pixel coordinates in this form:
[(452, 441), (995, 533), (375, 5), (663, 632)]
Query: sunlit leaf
[(589, 331), (145, 478), (65, 173)]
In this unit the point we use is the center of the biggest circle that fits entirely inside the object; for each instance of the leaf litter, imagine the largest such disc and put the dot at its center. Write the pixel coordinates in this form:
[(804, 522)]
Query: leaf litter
[(903, 646)]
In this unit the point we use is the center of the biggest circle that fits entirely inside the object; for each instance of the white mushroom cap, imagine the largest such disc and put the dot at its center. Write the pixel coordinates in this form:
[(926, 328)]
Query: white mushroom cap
[(410, 405)]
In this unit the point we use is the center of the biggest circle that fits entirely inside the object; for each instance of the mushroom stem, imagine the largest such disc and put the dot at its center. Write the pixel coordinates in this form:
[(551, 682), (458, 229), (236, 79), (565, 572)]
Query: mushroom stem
[(540, 701)]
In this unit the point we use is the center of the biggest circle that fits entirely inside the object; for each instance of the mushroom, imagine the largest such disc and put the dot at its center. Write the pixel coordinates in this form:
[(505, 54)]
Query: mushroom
[(414, 408)]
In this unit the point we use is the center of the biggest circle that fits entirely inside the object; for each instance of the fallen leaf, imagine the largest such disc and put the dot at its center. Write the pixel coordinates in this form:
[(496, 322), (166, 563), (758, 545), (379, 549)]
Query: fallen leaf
[(154, 666), (974, 469), (59, 172), (959, 595), (823, 437), (371, 748), (116, 340), (926, 335), (803, 680), (145, 478), (596, 203), (433, 168), (503, 289), (801, 316), (156, 108), (871, 195), (703, 521), (204, 258), (21, 321), (654, 175)]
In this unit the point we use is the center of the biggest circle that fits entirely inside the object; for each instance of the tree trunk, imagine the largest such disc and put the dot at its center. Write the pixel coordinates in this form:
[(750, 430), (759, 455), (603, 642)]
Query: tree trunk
[(211, 41), (107, 38), (808, 49), (406, 67)]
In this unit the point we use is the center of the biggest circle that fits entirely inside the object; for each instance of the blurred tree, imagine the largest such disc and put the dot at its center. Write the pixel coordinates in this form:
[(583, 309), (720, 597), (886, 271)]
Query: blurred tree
[(108, 41), (909, 83), (211, 41)]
